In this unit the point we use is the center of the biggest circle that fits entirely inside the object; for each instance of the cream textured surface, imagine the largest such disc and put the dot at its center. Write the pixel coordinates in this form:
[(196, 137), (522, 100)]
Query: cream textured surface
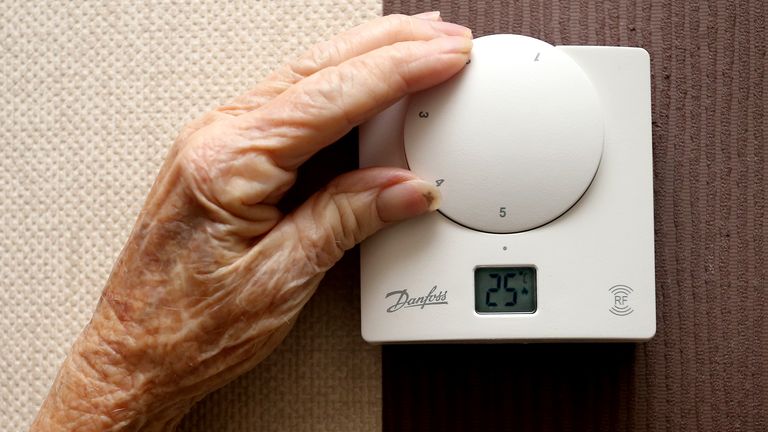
[(91, 96)]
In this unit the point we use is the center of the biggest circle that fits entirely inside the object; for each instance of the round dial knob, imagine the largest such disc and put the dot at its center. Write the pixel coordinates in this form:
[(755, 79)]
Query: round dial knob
[(513, 140)]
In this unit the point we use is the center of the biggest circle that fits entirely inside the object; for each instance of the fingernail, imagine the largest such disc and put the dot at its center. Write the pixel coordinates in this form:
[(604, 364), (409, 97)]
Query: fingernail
[(406, 200), (432, 16), (454, 44), (451, 29)]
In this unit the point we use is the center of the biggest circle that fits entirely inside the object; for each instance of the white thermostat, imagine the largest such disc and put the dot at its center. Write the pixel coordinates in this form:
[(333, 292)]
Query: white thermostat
[(545, 233)]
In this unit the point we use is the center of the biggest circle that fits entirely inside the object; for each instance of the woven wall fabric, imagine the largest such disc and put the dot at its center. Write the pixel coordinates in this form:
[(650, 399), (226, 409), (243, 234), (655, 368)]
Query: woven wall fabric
[(91, 96), (707, 367)]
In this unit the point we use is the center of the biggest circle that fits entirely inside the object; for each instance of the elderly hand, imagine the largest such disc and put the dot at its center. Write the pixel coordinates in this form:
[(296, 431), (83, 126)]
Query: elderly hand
[(213, 276)]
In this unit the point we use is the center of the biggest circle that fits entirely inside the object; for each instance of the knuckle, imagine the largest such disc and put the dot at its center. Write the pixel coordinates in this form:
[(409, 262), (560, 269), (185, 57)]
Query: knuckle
[(197, 159), (380, 67), (195, 125), (399, 54), (335, 79), (203, 156), (394, 71), (318, 247), (306, 64), (292, 71), (327, 91), (230, 176), (323, 53), (403, 23), (330, 228), (398, 21), (348, 226), (317, 57)]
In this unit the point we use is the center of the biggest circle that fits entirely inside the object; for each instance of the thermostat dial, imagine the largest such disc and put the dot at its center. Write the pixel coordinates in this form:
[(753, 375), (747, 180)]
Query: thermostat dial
[(513, 141)]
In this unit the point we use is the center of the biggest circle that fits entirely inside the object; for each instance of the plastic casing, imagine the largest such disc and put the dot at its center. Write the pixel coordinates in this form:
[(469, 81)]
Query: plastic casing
[(605, 240)]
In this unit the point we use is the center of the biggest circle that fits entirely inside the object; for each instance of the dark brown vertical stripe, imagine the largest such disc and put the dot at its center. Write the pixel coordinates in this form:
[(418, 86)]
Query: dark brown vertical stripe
[(707, 368), (505, 387)]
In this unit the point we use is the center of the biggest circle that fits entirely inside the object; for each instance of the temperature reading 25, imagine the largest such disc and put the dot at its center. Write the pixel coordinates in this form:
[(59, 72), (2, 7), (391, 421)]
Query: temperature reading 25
[(511, 300)]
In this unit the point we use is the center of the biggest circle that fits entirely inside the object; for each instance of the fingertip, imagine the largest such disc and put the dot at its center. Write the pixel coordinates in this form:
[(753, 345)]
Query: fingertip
[(451, 29), (443, 58), (430, 16), (407, 200), (453, 44), (444, 27)]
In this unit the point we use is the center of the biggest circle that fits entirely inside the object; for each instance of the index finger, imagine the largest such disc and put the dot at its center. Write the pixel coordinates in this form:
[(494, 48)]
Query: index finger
[(366, 37), (323, 107)]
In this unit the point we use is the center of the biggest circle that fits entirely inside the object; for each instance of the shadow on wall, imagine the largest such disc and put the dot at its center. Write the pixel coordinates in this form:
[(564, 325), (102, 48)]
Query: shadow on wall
[(508, 387)]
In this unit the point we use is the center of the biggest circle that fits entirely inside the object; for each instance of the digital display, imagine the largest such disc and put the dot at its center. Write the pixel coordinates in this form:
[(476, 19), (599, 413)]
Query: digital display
[(505, 289)]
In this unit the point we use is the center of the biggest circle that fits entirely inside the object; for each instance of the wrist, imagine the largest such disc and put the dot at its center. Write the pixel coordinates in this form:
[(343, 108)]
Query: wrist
[(91, 392), (96, 390)]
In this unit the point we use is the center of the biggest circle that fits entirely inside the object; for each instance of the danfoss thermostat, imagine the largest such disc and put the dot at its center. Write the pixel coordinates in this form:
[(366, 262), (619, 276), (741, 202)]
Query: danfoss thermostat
[(545, 233)]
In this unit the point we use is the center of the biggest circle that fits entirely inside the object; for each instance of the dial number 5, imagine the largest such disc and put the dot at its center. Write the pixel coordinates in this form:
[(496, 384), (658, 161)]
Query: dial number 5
[(502, 212)]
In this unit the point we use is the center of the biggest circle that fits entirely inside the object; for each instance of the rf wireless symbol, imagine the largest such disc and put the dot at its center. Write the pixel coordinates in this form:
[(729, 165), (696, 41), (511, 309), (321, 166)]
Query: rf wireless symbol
[(620, 300)]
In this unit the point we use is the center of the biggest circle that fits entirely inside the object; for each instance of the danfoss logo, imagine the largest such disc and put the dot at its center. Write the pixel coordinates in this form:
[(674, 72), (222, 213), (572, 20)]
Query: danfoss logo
[(404, 300)]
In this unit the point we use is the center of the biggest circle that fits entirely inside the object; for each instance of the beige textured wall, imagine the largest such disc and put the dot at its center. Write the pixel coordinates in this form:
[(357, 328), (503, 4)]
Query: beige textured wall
[(91, 96)]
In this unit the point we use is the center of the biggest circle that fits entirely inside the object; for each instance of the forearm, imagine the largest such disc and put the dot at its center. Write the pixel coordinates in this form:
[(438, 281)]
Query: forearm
[(95, 391), (82, 399), (91, 393), (108, 381)]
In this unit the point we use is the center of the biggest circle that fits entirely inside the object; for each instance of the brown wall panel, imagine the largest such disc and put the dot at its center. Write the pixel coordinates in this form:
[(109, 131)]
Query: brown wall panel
[(707, 367)]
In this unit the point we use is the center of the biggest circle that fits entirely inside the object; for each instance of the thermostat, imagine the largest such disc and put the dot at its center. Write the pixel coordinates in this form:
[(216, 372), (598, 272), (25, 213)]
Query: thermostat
[(545, 233)]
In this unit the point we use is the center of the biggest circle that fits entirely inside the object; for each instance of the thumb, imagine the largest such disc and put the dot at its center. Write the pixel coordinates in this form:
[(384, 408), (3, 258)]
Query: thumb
[(353, 207)]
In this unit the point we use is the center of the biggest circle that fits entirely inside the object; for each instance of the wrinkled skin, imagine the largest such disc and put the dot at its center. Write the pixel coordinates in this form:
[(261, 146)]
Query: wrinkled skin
[(213, 276)]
